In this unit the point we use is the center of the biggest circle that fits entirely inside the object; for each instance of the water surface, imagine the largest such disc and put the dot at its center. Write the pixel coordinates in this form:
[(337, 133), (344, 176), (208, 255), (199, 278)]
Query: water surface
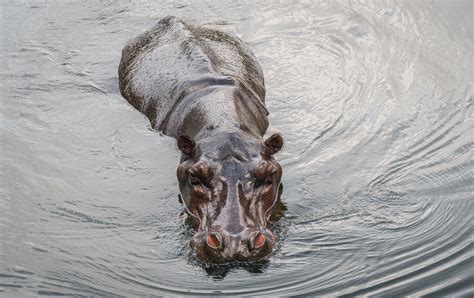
[(374, 101)]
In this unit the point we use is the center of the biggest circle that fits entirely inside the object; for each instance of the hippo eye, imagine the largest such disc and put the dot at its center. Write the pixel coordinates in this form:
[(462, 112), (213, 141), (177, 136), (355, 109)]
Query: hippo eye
[(265, 181), (269, 179), (265, 174), (193, 179)]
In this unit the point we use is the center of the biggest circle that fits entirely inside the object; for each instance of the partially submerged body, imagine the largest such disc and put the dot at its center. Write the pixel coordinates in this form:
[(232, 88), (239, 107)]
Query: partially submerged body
[(206, 89), (186, 79)]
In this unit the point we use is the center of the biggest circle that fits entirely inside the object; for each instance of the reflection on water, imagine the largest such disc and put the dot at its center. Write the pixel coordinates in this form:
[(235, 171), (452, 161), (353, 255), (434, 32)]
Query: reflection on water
[(375, 103)]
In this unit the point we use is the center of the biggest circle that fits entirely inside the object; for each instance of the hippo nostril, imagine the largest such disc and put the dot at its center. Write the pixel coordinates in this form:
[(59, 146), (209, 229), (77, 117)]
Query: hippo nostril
[(258, 240), (214, 240)]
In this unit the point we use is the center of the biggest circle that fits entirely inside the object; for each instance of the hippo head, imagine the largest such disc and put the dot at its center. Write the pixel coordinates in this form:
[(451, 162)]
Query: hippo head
[(229, 184)]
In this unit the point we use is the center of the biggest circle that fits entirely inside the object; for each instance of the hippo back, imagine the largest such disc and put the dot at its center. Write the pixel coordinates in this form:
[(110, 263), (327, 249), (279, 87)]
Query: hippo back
[(163, 65)]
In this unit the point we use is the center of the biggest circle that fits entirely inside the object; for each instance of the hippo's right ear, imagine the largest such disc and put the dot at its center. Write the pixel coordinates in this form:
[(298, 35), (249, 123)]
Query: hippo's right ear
[(186, 145)]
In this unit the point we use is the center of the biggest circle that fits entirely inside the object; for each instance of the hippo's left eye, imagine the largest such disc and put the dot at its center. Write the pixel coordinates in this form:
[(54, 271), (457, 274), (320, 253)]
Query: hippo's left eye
[(265, 174), (269, 179), (265, 181)]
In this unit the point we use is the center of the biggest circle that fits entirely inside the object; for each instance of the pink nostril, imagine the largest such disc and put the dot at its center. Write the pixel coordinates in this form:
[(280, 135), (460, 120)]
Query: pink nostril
[(213, 240), (259, 240)]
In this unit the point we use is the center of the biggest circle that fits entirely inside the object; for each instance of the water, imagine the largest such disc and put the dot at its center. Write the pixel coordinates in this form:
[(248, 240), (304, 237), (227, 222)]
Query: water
[(375, 103)]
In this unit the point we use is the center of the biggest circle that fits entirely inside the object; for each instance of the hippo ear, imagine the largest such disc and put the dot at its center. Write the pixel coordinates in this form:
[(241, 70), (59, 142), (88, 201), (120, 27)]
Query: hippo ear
[(186, 145), (273, 144)]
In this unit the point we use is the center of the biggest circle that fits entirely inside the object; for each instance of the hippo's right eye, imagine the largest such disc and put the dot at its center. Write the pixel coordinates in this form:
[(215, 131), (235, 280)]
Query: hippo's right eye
[(193, 179)]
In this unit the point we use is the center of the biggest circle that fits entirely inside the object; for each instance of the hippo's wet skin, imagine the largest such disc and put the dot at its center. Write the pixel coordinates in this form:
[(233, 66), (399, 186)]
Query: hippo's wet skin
[(206, 89)]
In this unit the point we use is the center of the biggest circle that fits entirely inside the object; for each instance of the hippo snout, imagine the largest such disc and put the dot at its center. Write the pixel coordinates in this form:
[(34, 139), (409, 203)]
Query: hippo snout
[(218, 245)]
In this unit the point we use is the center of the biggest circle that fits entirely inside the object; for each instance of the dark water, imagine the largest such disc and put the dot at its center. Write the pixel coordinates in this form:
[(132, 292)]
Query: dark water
[(374, 100)]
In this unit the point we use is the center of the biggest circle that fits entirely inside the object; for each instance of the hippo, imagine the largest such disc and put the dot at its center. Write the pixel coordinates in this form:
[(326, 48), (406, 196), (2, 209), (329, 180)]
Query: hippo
[(205, 88)]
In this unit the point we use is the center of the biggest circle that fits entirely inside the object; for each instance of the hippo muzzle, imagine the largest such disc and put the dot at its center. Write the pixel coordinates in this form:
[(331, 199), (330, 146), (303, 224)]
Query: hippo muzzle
[(219, 246)]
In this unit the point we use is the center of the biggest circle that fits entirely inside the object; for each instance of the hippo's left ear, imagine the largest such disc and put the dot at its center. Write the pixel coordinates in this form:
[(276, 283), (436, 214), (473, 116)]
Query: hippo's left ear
[(273, 144), (186, 145)]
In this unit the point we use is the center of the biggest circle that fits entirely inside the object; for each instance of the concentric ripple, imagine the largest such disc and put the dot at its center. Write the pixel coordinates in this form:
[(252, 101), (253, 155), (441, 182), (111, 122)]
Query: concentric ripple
[(375, 103)]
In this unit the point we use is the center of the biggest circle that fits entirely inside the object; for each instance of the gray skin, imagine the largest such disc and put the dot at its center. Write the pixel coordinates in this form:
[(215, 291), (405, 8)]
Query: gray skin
[(205, 88)]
